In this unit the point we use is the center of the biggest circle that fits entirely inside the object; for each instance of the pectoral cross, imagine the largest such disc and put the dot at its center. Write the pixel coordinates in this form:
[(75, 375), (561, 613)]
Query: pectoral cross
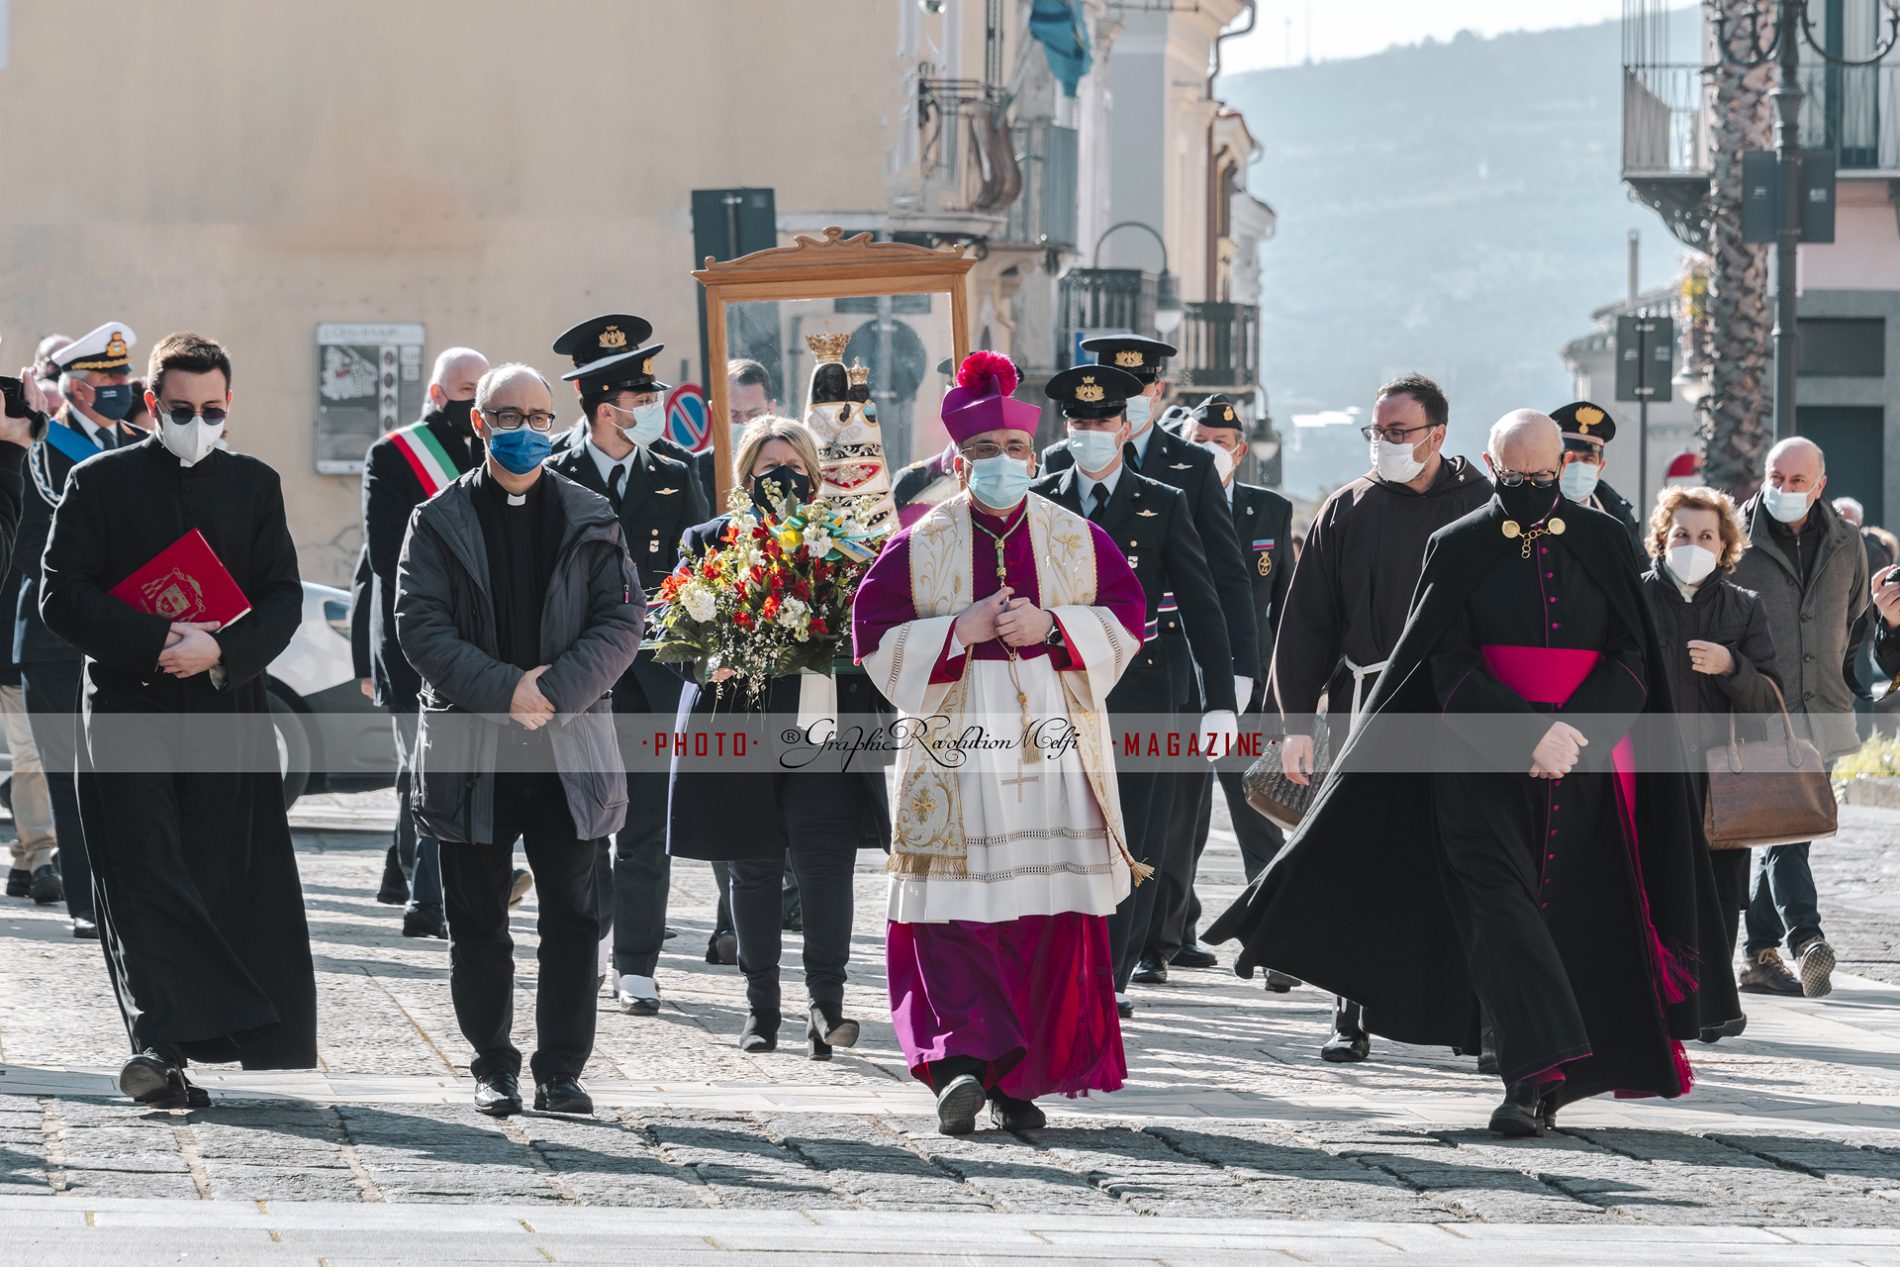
[(1018, 782)]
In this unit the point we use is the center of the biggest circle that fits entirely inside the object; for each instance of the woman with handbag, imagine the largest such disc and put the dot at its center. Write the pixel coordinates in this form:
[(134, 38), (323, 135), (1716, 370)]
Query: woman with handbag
[(1723, 663), (801, 811)]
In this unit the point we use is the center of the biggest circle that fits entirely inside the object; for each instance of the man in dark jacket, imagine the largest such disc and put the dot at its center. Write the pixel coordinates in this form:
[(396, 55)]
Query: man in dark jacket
[(518, 605), (401, 471), (1351, 592), (1811, 572)]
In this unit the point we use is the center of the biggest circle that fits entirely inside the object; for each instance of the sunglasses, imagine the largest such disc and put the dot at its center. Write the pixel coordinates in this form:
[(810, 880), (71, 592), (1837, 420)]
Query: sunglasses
[(182, 415)]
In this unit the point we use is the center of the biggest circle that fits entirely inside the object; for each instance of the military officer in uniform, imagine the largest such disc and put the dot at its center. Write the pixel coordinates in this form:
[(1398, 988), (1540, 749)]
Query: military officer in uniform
[(657, 497), (1588, 430), (1263, 521), (620, 334), (95, 388), (1151, 522), (1161, 455)]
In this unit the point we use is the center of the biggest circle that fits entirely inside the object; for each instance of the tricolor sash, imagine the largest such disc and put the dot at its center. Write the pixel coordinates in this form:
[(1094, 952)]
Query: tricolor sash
[(434, 469)]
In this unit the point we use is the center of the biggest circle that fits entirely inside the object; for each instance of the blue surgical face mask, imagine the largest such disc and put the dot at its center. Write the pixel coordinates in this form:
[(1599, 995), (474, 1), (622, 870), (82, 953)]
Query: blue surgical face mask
[(1579, 480), (112, 400), (649, 421), (1095, 450), (521, 450), (1140, 410), (1000, 482), (1784, 504)]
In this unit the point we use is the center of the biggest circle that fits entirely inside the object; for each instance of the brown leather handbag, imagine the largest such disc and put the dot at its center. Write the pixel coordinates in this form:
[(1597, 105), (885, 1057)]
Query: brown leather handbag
[(1764, 792), (1277, 798)]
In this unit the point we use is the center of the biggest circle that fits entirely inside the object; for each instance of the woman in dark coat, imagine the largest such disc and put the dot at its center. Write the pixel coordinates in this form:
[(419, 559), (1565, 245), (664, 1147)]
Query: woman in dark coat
[(805, 809), (1723, 656)]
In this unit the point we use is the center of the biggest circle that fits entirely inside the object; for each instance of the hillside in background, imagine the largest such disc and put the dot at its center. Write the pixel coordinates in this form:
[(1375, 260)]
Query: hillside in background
[(1452, 208)]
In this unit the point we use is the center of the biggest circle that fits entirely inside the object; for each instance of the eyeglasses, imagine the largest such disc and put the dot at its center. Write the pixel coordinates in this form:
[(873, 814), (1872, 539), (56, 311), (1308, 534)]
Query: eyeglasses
[(511, 419), (988, 449), (1512, 479), (181, 415), (1395, 435)]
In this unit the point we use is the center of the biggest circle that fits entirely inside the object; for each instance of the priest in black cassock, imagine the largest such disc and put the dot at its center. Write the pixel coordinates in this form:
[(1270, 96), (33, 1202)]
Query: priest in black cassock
[(199, 904), (1510, 819)]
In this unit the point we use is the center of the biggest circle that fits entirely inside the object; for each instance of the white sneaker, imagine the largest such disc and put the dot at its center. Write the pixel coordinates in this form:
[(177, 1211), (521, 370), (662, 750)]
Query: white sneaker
[(639, 996)]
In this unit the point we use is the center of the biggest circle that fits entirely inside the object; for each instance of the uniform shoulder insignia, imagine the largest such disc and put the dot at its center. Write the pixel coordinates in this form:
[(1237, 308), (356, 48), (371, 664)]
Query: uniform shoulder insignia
[(662, 492), (1182, 466), (1145, 514)]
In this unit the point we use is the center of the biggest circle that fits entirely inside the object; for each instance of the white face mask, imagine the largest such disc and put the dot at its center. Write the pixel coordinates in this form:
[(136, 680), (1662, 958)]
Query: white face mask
[(190, 443), (1395, 463), (1223, 459), (1579, 480), (1690, 563), (1784, 504), (648, 421), (1140, 411)]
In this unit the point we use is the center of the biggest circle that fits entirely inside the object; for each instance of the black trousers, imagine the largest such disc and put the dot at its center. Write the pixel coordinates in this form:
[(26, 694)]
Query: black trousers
[(823, 815), (1147, 801), (634, 889), (1177, 921), (403, 844), (1732, 867), (475, 884), (50, 690)]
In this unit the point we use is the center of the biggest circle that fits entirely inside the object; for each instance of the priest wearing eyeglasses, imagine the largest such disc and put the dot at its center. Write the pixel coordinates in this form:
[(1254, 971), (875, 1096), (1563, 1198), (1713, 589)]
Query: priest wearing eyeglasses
[(1508, 819)]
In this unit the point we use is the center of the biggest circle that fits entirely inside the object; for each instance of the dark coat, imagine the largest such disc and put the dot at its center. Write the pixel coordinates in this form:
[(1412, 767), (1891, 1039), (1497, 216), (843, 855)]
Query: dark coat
[(391, 492), (1725, 613), (1150, 523), (1370, 837), (44, 483), (734, 814), (661, 501), (1617, 507), (200, 906), (590, 630), (1190, 468), (1263, 523), (362, 595)]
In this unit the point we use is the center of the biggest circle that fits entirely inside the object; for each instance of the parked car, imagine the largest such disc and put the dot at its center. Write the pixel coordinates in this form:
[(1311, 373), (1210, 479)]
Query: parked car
[(330, 737)]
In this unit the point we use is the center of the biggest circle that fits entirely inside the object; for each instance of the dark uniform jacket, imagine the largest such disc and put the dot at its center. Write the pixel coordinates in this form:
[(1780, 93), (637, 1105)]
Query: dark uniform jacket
[(1617, 507), (662, 499), (391, 492), (701, 463), (1263, 523), (44, 480), (1150, 522), (1190, 468)]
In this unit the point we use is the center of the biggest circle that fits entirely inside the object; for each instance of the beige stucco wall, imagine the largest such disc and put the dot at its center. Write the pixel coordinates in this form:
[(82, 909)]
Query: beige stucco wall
[(494, 170)]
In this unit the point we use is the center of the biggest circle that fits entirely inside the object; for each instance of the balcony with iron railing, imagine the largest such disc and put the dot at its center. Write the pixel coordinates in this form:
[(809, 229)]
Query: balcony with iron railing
[(1851, 111), (1099, 301), (1219, 348), (958, 175)]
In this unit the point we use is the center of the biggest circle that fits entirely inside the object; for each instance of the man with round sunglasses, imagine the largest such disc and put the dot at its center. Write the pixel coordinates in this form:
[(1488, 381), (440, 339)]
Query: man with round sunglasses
[(178, 783)]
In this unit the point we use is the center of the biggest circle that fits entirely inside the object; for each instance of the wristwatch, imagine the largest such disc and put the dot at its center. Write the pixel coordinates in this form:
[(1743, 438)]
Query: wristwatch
[(1054, 637)]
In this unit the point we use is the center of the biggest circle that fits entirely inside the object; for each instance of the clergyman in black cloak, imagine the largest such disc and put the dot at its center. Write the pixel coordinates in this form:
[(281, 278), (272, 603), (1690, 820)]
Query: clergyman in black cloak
[(1576, 905)]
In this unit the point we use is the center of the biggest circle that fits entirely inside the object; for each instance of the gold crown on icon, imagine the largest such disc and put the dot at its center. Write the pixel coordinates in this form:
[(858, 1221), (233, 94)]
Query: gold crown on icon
[(828, 347), (612, 340), (1089, 392), (859, 373)]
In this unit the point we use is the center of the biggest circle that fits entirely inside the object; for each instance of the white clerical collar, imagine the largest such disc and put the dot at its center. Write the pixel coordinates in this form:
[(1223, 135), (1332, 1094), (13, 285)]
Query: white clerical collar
[(1088, 484), (517, 499), (605, 465)]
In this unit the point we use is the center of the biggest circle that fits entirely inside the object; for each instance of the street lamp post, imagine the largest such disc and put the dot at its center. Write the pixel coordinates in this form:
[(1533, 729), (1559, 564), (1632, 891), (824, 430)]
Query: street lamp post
[(1780, 46), (1168, 308)]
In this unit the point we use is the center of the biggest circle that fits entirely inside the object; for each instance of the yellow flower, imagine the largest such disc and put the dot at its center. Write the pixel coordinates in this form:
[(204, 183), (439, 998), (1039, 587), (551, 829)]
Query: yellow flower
[(789, 538)]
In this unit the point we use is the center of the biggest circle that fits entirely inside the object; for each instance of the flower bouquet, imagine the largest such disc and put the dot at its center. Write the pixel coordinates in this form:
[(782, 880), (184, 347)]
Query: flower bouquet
[(773, 597)]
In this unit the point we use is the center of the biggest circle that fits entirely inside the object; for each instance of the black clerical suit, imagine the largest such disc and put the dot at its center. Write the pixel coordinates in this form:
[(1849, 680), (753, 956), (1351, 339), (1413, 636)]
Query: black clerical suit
[(656, 498), (50, 665), (1151, 524), (1581, 927), (1172, 461), (199, 904)]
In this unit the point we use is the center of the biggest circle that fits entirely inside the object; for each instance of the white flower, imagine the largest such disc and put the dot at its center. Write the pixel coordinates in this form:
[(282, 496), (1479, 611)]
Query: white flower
[(699, 602), (817, 542), (792, 613)]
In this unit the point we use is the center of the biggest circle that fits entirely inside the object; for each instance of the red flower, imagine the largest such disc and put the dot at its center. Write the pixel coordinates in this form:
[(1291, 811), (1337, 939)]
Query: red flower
[(731, 533), (758, 533), (742, 619), (819, 627), (770, 610), (756, 572), (710, 571), (801, 591)]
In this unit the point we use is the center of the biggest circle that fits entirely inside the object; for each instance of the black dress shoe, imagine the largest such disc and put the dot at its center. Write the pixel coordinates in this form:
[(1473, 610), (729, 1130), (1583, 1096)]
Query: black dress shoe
[(149, 1078), (1192, 956), (563, 1094), (46, 887), (1346, 1046), (18, 881), (723, 949), (498, 1095), (1521, 1115), (957, 1104), (185, 1094), (424, 921), (760, 1033), (829, 1022), (1125, 1008), (1547, 1107), (1280, 982), (395, 887), (84, 929), (1150, 971), (1007, 1114), (1727, 1029)]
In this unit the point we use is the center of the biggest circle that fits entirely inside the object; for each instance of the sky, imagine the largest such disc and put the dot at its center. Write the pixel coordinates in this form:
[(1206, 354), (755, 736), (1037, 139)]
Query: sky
[(1331, 29)]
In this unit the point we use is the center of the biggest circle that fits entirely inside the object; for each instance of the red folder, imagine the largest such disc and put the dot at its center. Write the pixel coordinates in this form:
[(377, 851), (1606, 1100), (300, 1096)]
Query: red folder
[(185, 582)]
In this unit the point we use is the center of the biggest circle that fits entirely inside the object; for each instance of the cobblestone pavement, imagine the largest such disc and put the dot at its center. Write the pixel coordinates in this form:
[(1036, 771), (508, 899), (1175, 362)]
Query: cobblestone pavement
[(1794, 1129)]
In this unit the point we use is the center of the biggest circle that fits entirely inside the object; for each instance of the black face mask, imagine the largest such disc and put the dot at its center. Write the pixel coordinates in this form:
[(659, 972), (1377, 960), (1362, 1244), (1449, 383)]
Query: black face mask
[(1527, 503), (791, 483), (458, 413)]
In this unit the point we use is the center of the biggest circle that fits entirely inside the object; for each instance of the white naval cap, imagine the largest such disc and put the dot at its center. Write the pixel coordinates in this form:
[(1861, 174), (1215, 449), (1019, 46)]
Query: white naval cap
[(107, 349)]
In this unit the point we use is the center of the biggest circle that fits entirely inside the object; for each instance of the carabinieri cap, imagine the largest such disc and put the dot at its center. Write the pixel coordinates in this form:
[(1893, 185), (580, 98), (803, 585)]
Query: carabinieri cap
[(612, 353), (1586, 427)]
